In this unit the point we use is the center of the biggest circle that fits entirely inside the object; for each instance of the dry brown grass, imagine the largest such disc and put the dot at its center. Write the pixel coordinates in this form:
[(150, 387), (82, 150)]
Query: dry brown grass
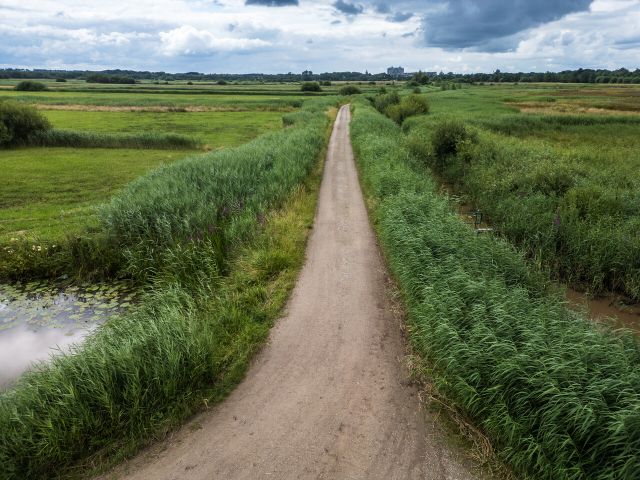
[(575, 108)]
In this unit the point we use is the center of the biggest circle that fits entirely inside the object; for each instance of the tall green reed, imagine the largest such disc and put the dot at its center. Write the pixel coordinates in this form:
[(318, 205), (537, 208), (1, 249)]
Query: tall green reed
[(559, 397)]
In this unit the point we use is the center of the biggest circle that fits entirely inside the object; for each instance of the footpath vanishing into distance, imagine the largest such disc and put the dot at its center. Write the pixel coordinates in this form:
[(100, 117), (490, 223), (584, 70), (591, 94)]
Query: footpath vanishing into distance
[(329, 397)]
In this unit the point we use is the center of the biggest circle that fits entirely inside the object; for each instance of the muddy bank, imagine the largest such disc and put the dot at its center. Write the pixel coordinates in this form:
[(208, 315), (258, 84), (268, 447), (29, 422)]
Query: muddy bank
[(609, 309)]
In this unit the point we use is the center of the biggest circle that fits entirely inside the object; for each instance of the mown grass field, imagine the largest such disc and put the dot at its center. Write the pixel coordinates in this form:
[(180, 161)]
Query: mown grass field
[(255, 96), (214, 129), (49, 193)]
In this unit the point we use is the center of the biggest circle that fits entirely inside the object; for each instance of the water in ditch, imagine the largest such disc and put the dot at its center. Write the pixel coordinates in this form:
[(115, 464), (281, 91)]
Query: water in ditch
[(41, 319)]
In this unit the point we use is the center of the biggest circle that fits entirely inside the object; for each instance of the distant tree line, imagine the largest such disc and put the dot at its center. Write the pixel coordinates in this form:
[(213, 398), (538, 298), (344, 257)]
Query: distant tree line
[(193, 76), (582, 75), (621, 75), (104, 78)]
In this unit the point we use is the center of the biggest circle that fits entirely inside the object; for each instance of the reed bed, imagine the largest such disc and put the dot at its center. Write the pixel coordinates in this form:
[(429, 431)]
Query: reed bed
[(573, 208), (78, 139), (558, 396)]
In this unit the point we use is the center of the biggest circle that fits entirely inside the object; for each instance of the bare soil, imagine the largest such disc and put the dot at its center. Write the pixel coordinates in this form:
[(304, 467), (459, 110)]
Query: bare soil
[(330, 396)]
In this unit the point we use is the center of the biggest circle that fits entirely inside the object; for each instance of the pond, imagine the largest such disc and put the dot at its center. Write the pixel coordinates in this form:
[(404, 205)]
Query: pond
[(39, 319)]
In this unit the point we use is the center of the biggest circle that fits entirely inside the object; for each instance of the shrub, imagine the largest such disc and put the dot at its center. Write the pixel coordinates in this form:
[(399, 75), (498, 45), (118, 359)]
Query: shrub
[(30, 86), (310, 87), (349, 90), (383, 101), (189, 83), (19, 122), (221, 82), (326, 83), (61, 80), (408, 107), (102, 78), (447, 138)]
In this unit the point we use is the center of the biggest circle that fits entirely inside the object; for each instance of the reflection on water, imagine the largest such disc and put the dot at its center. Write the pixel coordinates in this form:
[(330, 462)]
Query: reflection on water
[(38, 319), (20, 347)]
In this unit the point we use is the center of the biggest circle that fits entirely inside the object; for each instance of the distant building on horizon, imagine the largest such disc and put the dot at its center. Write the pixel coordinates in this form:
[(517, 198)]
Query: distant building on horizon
[(395, 72)]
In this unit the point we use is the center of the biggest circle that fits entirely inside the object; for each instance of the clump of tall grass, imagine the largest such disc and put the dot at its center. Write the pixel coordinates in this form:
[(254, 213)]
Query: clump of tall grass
[(19, 122), (87, 256), (399, 108), (217, 275), (559, 397), (78, 139), (409, 106)]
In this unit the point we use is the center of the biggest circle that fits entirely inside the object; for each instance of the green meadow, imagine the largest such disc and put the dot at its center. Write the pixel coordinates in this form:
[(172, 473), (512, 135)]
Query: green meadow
[(202, 197), (214, 129), (53, 192)]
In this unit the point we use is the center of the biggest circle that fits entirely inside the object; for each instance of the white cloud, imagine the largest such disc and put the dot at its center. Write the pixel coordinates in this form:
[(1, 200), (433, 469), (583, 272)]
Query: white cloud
[(188, 40), (186, 35)]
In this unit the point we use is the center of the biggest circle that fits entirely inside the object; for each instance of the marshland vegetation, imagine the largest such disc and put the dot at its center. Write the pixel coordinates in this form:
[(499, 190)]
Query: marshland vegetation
[(214, 242), (556, 394)]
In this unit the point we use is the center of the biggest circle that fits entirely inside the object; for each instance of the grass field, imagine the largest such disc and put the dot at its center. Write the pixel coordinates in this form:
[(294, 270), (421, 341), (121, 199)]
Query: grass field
[(279, 97), (155, 98), (214, 129), (554, 167), (52, 192)]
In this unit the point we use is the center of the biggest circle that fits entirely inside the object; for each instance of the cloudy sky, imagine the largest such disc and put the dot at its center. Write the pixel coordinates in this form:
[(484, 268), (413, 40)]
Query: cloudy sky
[(274, 36)]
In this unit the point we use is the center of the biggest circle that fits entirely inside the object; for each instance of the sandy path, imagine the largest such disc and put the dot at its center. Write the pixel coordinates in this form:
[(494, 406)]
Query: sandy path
[(328, 398)]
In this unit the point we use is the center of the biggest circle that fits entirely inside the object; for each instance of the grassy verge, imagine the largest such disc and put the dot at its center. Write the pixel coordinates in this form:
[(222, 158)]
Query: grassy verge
[(559, 398), (210, 302)]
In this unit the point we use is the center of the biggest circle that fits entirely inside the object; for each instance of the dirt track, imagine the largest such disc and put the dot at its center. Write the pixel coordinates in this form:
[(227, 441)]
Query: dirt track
[(329, 397)]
